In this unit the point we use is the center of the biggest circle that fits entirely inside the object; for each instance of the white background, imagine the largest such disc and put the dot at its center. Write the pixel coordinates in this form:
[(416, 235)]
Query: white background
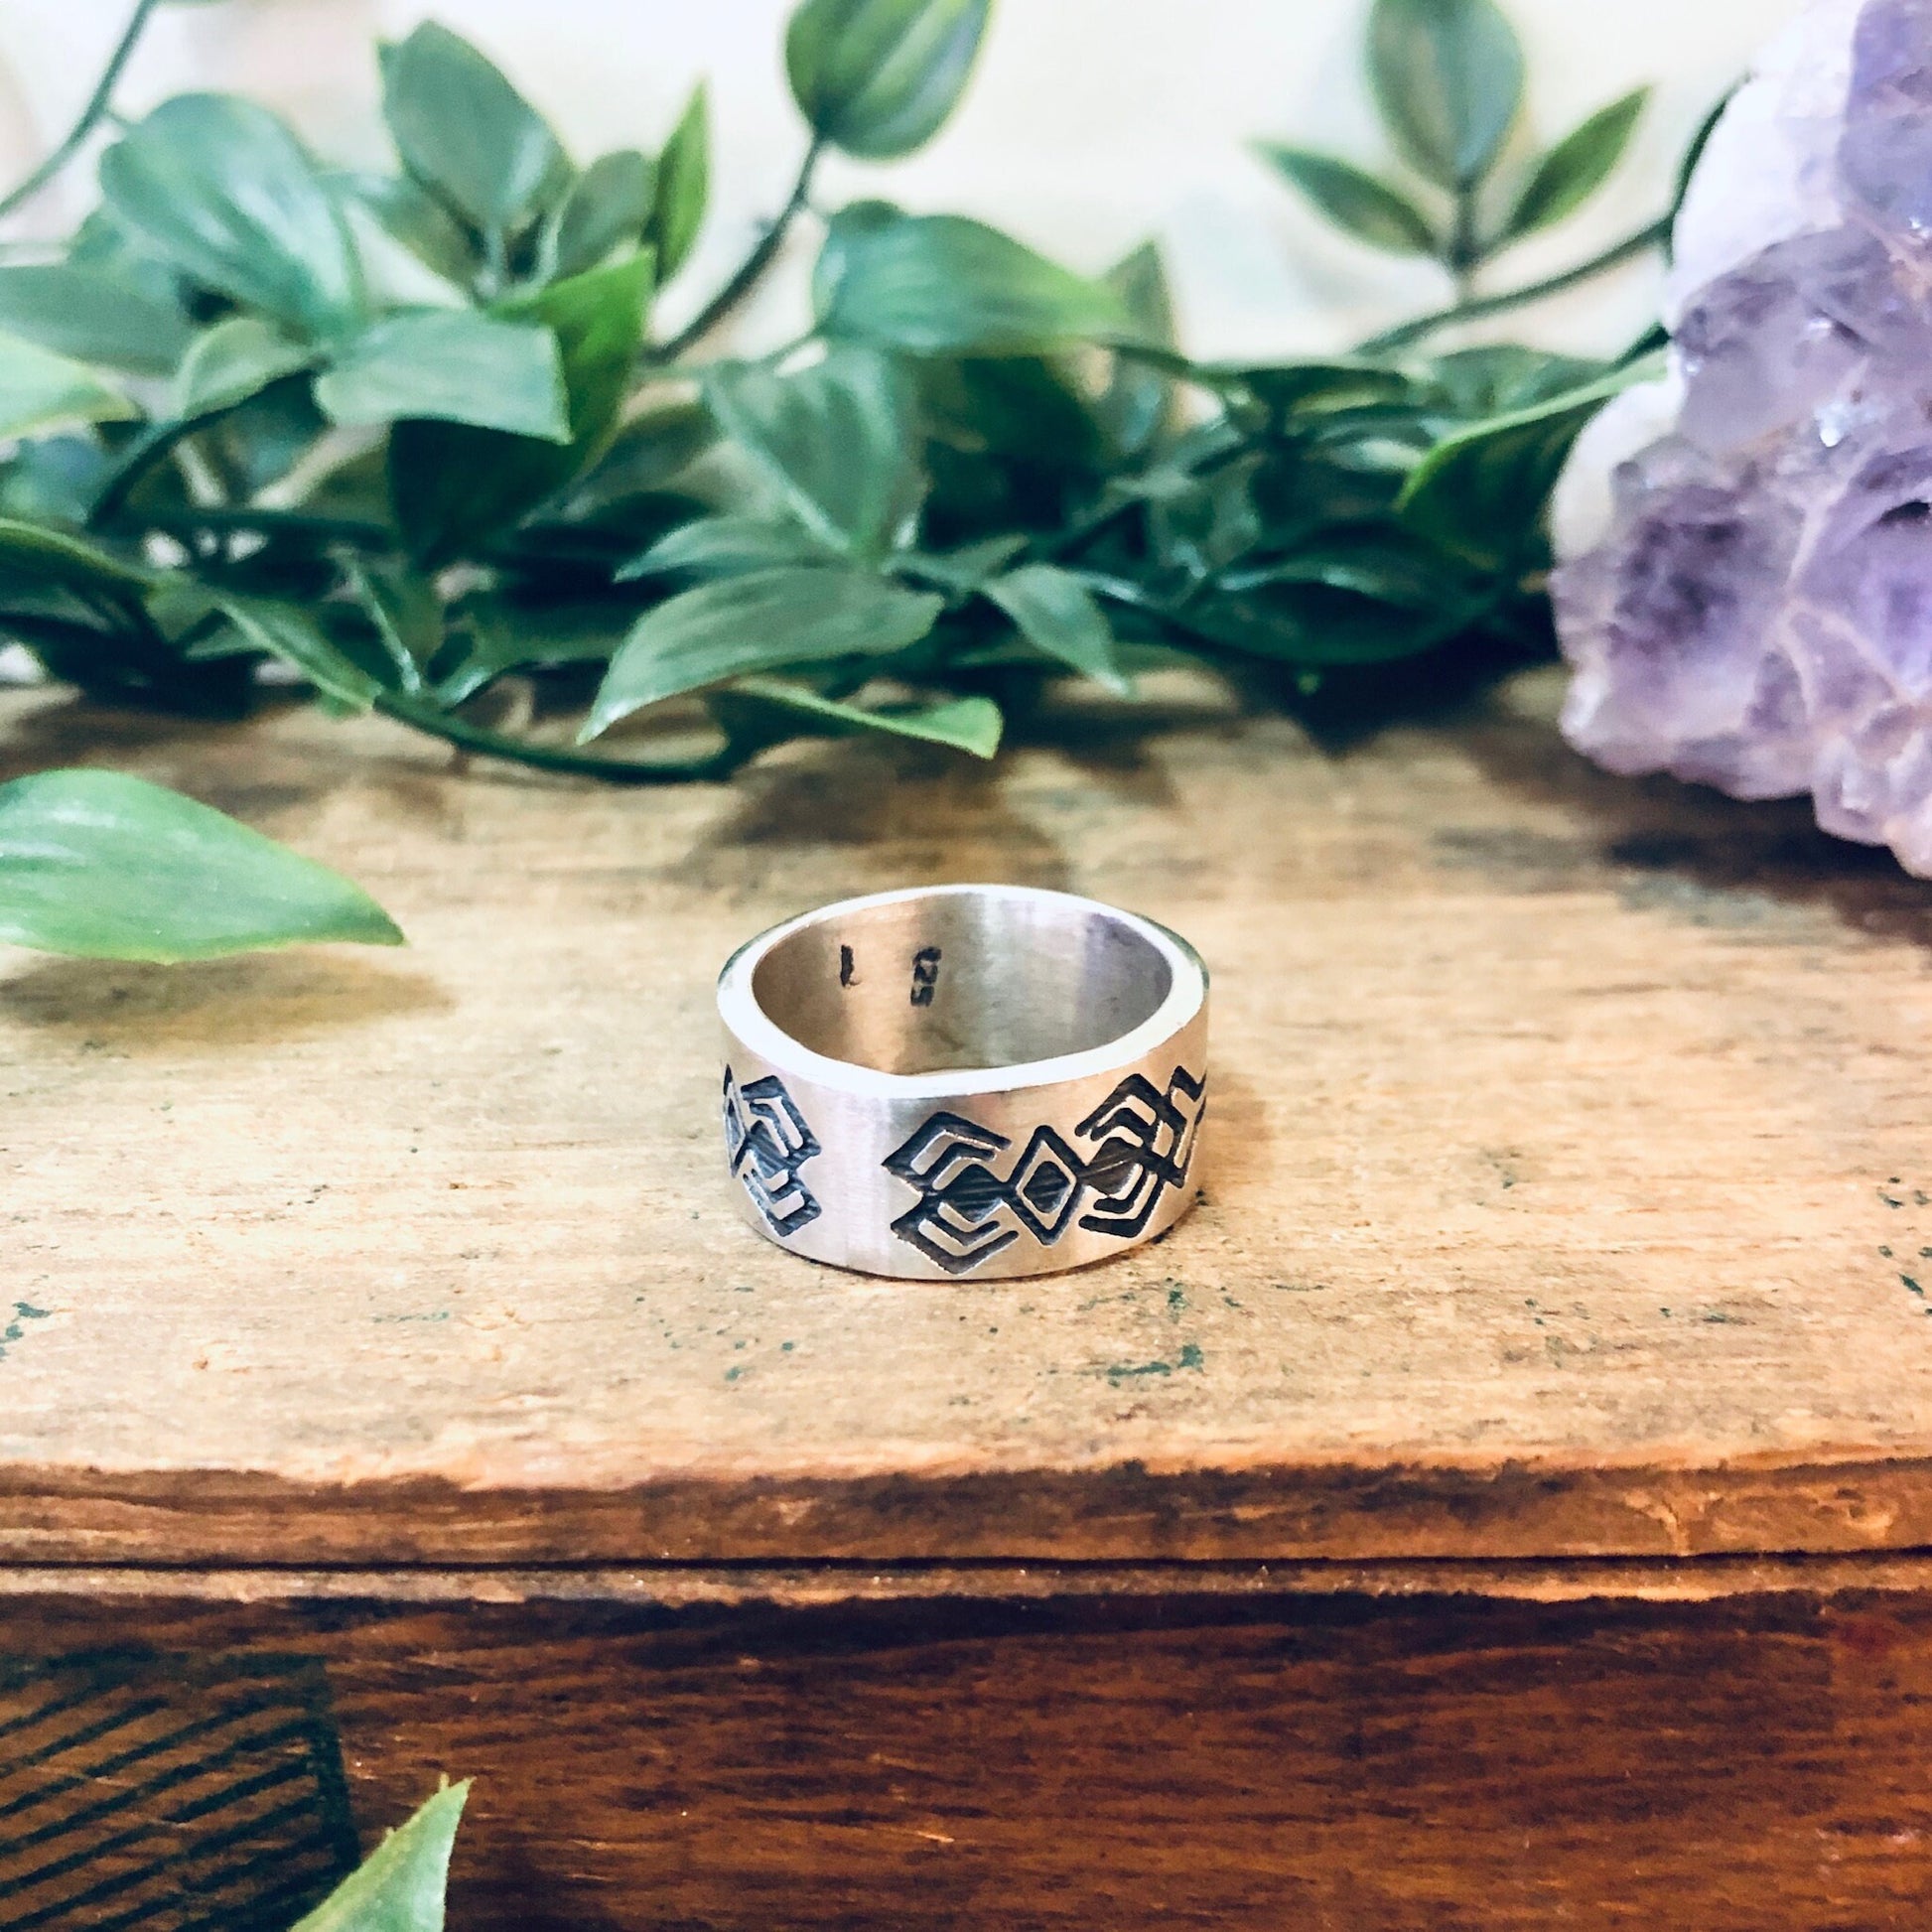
[(1089, 125)]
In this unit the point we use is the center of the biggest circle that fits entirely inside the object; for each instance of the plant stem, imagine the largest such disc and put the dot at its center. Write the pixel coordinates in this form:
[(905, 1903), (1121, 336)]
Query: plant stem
[(1464, 254), (91, 115), (1653, 236), (545, 757), (748, 273), (148, 448), (156, 441), (1082, 530), (1103, 516)]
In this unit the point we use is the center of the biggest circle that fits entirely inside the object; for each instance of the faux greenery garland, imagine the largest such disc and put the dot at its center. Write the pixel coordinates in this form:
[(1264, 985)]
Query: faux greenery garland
[(410, 435)]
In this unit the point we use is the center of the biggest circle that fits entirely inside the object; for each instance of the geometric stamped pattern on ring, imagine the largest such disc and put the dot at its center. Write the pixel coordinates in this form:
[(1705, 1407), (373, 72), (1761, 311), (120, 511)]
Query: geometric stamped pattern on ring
[(767, 1142), (968, 1212)]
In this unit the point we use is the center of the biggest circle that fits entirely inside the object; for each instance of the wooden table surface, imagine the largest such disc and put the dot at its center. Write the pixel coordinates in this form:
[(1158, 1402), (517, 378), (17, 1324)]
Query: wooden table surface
[(383, 1362), (1568, 1187)]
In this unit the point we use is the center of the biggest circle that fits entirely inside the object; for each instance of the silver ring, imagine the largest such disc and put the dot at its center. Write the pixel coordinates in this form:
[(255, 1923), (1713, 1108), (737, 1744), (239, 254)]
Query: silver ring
[(964, 1080)]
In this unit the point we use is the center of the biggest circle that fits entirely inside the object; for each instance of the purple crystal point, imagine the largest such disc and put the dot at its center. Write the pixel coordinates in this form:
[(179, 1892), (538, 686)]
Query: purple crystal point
[(1679, 615), (1885, 154), (1759, 615), (1764, 345)]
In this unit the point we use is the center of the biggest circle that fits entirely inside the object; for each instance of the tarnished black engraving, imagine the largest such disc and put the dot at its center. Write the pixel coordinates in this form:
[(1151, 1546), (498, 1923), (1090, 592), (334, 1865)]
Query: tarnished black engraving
[(767, 1142), (967, 1211), (926, 975)]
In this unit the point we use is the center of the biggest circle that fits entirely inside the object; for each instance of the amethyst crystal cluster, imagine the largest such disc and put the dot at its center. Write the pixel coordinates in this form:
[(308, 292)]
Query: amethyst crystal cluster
[(1757, 614)]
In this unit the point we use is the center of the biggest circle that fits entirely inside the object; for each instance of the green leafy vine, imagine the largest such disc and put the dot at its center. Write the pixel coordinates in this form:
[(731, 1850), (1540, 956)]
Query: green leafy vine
[(414, 435)]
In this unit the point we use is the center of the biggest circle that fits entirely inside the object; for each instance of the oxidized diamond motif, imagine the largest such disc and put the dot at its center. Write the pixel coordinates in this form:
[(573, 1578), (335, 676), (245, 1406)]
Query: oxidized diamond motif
[(967, 1212), (767, 1142)]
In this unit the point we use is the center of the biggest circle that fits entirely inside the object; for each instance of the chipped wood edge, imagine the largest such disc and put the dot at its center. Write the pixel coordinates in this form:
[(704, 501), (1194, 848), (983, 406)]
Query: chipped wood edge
[(1696, 1579), (1126, 1513)]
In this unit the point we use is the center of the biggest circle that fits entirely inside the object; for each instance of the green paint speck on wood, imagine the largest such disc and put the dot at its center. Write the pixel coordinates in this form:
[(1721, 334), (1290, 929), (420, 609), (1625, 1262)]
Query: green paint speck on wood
[(16, 1330)]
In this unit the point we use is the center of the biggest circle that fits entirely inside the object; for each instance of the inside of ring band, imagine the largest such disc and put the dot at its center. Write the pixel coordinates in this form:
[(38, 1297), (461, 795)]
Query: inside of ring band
[(961, 980)]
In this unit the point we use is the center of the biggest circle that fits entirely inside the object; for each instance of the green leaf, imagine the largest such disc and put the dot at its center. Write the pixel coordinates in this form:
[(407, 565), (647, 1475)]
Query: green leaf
[(1057, 614), (728, 547), (33, 551), (647, 452), (290, 634), (835, 440), (1497, 379), (1200, 523), (577, 534), (53, 478), (409, 216), (453, 485), (759, 621), (225, 193), (1480, 493), (400, 1885), (107, 867), (1289, 389), (261, 440), (1138, 401), (95, 315), (1577, 167), (39, 388), (844, 231), (963, 724), (1388, 569), (1355, 201), (501, 635), (683, 185), (406, 612), (964, 570), (394, 273), (234, 361), (1140, 279), (599, 321), (877, 77), (1314, 626), (940, 285), (468, 135), (609, 209), (1448, 76), (356, 487), (452, 365), (1029, 410), (1687, 165)]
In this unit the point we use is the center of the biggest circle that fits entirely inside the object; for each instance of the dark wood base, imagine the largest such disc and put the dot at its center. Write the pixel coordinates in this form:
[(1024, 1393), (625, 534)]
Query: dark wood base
[(1345, 1761)]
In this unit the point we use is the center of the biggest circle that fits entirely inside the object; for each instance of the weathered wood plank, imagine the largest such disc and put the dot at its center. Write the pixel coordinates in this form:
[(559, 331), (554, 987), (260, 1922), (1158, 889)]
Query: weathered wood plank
[(1121, 1512), (1566, 1186), (1331, 1764), (173, 1793), (822, 1586)]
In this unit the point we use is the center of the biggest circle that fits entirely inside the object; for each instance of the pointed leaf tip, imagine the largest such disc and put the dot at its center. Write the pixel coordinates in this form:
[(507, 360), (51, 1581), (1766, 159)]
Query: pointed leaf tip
[(400, 1885), (104, 866), (1448, 76), (1354, 201), (762, 620), (1577, 167)]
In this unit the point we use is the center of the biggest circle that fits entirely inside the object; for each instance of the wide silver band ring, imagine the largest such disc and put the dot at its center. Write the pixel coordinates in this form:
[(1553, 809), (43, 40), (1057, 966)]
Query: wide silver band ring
[(964, 1081)]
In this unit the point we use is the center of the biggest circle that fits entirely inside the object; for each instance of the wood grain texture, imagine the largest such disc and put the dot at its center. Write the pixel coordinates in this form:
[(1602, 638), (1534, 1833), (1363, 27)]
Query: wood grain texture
[(1568, 1184), (824, 1585), (172, 1794), (1342, 1764)]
